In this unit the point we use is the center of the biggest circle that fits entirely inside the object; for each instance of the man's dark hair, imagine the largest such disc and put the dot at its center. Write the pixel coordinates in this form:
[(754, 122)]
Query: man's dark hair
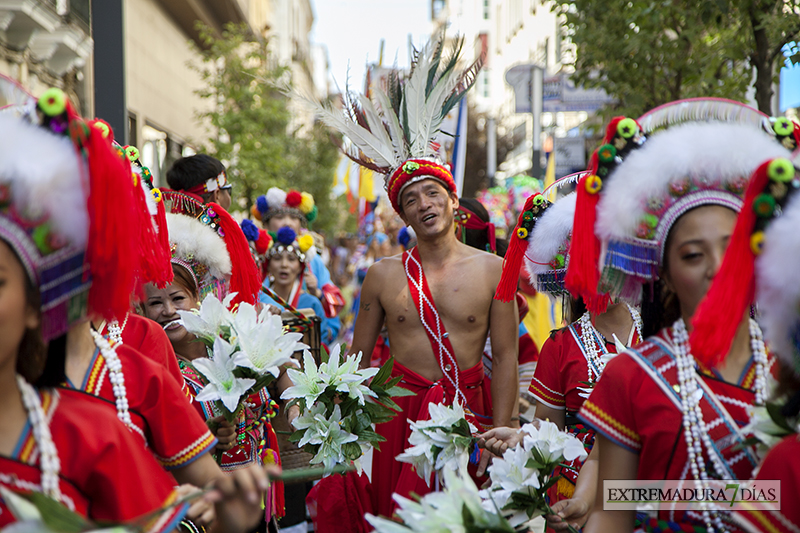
[(188, 172)]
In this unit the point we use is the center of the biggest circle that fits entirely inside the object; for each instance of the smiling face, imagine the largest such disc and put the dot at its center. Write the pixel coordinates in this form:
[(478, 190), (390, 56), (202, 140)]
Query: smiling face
[(162, 305), (285, 268), (694, 252), (428, 208)]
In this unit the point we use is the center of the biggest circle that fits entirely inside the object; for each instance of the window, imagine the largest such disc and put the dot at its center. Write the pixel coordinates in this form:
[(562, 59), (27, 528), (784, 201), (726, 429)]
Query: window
[(486, 9)]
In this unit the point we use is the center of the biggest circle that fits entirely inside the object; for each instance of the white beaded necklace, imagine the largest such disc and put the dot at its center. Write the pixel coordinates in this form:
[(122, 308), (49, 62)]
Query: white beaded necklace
[(594, 348), (115, 330), (695, 430), (115, 376), (48, 455)]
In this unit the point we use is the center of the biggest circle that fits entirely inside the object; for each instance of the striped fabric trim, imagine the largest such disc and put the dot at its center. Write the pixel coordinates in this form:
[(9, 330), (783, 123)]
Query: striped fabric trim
[(757, 520), (190, 453), (546, 395), (95, 378), (170, 518), (28, 453), (609, 427)]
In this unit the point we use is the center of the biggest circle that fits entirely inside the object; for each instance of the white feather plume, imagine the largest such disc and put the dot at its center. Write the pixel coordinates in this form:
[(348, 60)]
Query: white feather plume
[(393, 123), (716, 151), (46, 177), (778, 282), (549, 233), (194, 241)]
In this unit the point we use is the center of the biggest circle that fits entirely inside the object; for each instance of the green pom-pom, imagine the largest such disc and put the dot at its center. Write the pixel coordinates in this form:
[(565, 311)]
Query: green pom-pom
[(783, 126), (606, 153), (559, 261), (650, 220), (132, 153), (780, 169), (627, 128), (53, 102), (764, 205), (40, 237), (312, 215), (274, 235)]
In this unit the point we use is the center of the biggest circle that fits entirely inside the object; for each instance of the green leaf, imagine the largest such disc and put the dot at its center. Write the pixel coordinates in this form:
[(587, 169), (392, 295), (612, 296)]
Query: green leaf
[(297, 435), (774, 410), (383, 374), (399, 392), (56, 516)]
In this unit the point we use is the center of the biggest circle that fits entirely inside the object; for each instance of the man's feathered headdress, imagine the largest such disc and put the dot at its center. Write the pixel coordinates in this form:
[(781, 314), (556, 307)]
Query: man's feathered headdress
[(391, 131)]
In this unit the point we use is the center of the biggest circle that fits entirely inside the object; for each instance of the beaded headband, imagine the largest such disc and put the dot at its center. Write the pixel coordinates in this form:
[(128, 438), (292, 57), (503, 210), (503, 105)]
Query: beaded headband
[(548, 246), (286, 240)]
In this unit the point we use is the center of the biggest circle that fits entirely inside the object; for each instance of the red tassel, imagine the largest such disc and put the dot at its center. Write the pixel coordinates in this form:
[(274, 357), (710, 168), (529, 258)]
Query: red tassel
[(512, 263), (584, 250), (164, 254), (733, 288), (112, 248), (245, 277)]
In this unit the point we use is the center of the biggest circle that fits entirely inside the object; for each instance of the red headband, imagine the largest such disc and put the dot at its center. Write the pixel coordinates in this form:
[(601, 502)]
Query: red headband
[(469, 220), (416, 168)]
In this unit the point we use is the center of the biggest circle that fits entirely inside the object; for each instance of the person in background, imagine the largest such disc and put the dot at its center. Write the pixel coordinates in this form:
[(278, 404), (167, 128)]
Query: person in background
[(203, 176)]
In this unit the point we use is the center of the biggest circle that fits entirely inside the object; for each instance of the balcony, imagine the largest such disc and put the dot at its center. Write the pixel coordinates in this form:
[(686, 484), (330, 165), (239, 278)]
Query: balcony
[(213, 13), (55, 32)]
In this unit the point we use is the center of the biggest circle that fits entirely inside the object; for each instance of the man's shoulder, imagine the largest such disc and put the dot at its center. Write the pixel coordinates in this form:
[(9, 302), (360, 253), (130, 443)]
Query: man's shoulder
[(387, 268), (484, 261)]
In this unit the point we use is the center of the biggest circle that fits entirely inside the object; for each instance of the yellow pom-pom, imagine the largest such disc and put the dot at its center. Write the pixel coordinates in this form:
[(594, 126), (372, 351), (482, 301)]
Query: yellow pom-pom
[(593, 184), (304, 242), (757, 242), (135, 179), (306, 203)]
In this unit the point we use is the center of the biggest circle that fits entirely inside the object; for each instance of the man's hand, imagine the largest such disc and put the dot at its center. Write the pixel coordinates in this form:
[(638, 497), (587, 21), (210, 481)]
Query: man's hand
[(224, 431), (498, 440), (573, 512)]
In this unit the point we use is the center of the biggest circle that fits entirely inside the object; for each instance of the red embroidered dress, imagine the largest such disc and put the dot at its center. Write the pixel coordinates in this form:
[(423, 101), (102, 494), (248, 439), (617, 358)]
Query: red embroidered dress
[(159, 410), (257, 442), (105, 474), (560, 382), (636, 404)]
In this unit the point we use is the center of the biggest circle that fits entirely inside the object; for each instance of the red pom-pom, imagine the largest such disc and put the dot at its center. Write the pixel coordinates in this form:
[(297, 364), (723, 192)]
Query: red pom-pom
[(512, 262), (263, 242), (293, 198), (245, 277), (733, 288)]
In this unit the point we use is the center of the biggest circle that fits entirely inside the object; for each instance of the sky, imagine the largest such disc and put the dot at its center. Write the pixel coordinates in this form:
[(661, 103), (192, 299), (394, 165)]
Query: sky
[(352, 31)]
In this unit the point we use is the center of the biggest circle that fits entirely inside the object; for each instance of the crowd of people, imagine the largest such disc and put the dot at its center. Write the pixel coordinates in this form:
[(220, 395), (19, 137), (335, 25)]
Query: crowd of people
[(670, 253)]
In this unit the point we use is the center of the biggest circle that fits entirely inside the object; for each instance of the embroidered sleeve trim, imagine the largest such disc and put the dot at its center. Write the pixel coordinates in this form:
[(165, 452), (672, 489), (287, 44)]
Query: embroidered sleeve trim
[(190, 453), (609, 427)]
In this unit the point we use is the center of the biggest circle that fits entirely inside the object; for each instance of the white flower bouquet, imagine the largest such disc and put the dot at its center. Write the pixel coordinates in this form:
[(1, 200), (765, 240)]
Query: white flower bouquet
[(457, 508), (443, 442), (519, 481), (247, 350), (339, 409)]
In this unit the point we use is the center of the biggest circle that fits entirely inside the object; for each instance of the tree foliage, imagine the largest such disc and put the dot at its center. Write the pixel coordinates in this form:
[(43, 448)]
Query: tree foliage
[(649, 52), (249, 123)]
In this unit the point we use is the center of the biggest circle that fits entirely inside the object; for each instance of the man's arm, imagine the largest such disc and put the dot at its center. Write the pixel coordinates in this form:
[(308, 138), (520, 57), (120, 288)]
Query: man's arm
[(370, 316), (504, 331)]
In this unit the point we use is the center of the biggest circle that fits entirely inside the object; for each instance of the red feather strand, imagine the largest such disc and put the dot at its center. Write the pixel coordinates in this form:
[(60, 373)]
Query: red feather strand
[(245, 277), (111, 249), (512, 263), (163, 246), (733, 288)]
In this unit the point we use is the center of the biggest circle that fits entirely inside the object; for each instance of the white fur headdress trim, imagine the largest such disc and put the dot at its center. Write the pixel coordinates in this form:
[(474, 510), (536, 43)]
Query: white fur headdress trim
[(715, 151), (549, 234), (46, 177), (196, 242), (778, 283)]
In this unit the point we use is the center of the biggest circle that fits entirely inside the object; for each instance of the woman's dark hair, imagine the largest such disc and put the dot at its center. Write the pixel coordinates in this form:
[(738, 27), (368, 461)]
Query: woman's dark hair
[(32, 350), (575, 308), (660, 308), (191, 171), (184, 279)]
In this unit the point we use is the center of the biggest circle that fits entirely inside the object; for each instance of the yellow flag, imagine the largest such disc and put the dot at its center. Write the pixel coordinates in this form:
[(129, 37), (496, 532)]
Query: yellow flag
[(550, 173), (366, 188)]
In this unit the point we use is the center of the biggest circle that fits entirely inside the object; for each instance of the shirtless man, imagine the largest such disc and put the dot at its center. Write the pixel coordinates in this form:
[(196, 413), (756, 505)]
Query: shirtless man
[(462, 282)]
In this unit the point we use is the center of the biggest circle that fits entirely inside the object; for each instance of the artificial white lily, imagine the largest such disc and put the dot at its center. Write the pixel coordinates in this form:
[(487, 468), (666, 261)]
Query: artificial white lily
[(347, 377), (223, 385), (263, 341), (206, 322), (553, 444), (330, 436)]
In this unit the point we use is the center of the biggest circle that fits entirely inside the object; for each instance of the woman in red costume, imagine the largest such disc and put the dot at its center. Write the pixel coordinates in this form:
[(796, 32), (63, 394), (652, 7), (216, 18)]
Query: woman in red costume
[(56, 269), (761, 267), (203, 263), (664, 220)]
